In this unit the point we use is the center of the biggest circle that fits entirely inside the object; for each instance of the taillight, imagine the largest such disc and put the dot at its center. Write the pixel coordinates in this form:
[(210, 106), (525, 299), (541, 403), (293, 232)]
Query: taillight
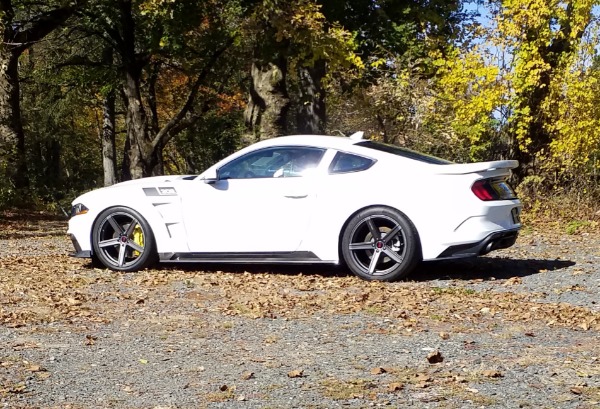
[(493, 189)]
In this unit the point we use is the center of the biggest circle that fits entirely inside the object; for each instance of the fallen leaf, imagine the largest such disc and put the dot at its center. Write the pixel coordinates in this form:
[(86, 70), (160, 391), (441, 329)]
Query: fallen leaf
[(395, 387), (143, 361), (577, 390), (435, 357), (423, 377), (378, 371), (90, 339), (223, 388), (297, 373), (36, 368), (444, 335), (247, 375), (492, 373), (513, 281)]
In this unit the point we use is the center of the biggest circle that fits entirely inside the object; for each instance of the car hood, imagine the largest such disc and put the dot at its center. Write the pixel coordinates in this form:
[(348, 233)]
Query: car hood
[(154, 181), (150, 181)]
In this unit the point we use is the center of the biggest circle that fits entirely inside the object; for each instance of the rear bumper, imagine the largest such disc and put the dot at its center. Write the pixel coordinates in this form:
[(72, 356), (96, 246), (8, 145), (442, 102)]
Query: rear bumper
[(494, 241)]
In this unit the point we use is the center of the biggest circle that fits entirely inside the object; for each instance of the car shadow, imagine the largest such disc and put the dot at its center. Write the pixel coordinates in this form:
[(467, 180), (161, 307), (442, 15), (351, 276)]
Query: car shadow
[(485, 268), (477, 268)]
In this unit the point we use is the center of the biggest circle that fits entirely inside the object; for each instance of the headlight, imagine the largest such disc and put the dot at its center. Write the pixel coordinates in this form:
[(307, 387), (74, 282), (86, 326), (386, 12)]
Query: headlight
[(78, 209)]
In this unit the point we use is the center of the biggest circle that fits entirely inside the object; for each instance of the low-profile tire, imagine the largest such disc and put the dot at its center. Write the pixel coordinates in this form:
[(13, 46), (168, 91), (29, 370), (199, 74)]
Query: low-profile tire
[(123, 241), (380, 243)]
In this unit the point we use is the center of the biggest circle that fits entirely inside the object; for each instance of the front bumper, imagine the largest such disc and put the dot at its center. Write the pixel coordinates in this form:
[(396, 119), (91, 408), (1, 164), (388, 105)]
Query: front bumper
[(79, 253), (494, 241)]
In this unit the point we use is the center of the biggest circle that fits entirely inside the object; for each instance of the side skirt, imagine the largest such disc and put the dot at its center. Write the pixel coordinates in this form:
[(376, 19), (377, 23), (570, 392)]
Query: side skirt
[(298, 257)]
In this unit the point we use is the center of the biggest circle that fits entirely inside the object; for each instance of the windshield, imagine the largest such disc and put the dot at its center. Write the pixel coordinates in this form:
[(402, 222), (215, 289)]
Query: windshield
[(407, 153)]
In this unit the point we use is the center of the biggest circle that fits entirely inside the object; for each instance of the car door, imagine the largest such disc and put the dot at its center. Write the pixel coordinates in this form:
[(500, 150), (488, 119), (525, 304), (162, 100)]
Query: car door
[(260, 203)]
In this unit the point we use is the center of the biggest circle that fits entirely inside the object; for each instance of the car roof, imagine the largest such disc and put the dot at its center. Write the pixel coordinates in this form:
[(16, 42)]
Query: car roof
[(325, 141)]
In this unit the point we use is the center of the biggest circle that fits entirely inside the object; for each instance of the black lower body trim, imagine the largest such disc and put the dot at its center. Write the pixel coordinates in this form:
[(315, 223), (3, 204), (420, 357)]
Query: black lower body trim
[(495, 241), (81, 254), (78, 252), (259, 257)]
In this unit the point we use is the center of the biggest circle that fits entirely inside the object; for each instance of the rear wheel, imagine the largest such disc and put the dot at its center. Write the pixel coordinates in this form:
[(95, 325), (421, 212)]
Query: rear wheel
[(123, 241), (380, 243)]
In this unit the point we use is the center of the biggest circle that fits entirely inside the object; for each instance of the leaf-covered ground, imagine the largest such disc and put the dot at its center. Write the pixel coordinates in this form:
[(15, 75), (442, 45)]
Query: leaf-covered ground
[(517, 329)]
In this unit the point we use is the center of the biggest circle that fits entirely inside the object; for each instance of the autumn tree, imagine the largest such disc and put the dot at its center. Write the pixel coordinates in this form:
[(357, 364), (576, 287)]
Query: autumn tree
[(399, 42), (154, 41), (293, 34), (545, 36), (22, 23)]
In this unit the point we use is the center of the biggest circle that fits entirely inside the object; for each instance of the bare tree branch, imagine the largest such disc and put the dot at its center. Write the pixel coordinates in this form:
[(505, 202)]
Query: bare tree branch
[(177, 122)]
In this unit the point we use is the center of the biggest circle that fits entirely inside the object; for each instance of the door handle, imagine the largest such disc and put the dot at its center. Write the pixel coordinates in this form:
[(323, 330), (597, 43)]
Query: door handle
[(296, 196)]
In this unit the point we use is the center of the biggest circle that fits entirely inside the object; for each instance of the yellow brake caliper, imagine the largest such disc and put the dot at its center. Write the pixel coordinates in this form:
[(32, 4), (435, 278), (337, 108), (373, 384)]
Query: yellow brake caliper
[(138, 238)]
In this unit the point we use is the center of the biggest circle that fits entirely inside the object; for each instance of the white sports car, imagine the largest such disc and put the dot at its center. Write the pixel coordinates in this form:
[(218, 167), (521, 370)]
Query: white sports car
[(379, 209)]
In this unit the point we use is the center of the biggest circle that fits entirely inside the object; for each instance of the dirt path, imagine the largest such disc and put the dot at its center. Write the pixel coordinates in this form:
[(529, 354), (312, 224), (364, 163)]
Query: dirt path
[(515, 330)]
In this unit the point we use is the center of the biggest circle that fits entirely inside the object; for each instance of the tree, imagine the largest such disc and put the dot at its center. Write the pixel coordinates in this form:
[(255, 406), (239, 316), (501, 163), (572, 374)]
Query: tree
[(22, 25), (293, 34), (153, 42), (545, 36)]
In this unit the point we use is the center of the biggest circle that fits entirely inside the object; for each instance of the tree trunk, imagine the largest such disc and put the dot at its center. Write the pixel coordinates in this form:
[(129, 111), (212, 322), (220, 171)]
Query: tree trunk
[(12, 137), (140, 148), (268, 104), (17, 36), (311, 117), (109, 150)]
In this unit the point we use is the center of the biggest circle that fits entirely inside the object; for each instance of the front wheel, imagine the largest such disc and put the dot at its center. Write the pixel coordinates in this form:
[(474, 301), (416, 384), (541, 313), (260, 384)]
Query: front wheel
[(380, 243), (123, 241)]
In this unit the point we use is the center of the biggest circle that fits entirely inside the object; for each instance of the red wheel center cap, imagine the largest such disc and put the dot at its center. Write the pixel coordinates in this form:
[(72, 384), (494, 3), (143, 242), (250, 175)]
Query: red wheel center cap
[(379, 244), (123, 239)]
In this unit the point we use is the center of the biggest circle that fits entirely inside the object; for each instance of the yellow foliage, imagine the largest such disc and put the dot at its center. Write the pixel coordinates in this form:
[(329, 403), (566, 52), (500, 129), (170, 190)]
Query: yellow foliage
[(475, 91)]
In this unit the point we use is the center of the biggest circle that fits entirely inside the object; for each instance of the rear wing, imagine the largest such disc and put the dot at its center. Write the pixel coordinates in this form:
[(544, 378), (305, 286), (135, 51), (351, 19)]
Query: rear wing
[(478, 167)]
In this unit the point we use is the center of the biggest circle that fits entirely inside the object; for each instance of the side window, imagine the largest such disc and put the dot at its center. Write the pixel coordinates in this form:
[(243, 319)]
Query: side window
[(346, 162), (272, 163)]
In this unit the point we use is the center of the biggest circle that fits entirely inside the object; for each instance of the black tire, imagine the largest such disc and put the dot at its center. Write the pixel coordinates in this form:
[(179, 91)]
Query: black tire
[(380, 243), (123, 241)]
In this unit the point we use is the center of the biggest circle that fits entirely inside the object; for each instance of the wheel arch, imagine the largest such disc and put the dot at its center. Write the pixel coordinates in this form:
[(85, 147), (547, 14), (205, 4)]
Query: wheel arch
[(148, 220), (362, 209)]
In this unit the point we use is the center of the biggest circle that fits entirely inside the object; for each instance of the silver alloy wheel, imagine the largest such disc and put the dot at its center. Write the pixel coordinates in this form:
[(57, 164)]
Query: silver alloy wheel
[(120, 238), (378, 244)]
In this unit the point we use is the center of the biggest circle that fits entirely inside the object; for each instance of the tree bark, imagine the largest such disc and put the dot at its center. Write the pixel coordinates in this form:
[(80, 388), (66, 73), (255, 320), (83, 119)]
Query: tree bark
[(268, 103), (12, 137), (311, 117), (109, 150)]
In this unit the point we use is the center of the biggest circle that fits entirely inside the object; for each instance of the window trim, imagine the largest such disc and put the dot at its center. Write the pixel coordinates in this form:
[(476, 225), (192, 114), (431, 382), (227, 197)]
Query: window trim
[(338, 153), (403, 152)]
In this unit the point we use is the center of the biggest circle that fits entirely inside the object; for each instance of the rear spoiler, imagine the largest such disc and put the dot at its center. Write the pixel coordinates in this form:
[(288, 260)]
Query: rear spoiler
[(464, 168)]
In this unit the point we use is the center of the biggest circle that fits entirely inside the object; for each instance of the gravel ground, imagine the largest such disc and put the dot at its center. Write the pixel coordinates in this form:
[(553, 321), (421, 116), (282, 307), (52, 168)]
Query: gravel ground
[(518, 329)]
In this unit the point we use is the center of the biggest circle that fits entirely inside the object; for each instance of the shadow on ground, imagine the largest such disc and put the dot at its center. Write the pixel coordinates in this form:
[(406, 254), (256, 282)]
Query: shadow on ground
[(485, 268), (478, 268)]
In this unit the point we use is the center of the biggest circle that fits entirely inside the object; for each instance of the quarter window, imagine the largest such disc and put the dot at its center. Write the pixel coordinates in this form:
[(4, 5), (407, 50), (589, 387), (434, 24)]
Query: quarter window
[(289, 161), (346, 162)]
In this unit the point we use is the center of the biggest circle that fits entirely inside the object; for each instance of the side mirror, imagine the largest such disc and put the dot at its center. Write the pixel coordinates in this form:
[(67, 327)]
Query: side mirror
[(210, 177)]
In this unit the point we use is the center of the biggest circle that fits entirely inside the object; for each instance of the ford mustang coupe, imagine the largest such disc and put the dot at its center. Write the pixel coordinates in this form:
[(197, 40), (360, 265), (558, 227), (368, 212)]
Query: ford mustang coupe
[(377, 208)]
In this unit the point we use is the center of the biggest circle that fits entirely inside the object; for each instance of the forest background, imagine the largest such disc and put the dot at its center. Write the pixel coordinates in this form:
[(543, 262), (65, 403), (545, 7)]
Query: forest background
[(93, 92)]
